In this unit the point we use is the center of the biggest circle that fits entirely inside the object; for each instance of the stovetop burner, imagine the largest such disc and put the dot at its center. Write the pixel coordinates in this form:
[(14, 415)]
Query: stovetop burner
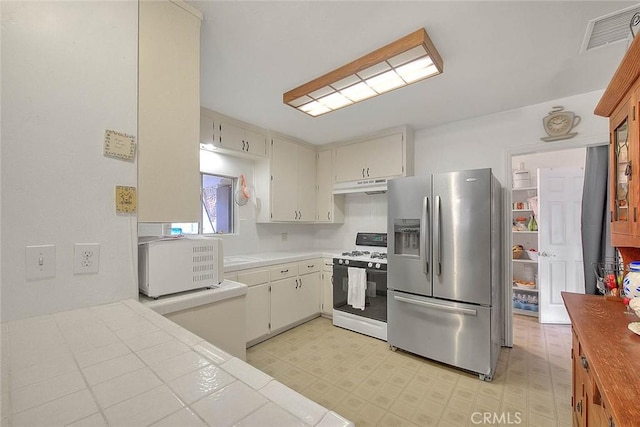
[(365, 254)]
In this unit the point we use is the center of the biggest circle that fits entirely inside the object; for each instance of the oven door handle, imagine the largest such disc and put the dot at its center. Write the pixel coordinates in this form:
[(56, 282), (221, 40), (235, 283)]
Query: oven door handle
[(436, 306), (425, 236)]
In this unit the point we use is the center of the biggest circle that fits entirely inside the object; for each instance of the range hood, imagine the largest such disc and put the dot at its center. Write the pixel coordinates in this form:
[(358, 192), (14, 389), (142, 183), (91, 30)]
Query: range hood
[(368, 186)]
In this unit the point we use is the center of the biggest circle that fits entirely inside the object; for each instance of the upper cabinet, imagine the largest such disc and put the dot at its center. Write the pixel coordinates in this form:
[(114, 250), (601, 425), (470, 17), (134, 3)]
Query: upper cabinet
[(286, 185), (329, 207), (168, 114), (382, 157), (231, 136), (620, 104)]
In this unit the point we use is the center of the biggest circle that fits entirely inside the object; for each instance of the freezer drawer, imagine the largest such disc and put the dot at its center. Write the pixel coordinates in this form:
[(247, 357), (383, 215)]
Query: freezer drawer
[(453, 333)]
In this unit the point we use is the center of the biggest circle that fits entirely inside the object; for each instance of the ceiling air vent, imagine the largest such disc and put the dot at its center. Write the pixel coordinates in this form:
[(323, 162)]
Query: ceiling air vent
[(610, 28)]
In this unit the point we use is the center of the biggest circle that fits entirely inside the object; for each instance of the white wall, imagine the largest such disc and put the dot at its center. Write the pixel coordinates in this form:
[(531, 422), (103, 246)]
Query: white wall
[(363, 213), (487, 141), (571, 158), (69, 71)]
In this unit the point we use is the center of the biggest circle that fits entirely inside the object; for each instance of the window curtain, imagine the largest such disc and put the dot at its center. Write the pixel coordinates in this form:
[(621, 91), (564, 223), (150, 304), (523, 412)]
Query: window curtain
[(596, 231)]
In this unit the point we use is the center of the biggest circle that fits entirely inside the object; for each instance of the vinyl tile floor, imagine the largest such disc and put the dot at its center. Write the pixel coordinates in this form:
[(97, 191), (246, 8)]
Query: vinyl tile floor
[(363, 380)]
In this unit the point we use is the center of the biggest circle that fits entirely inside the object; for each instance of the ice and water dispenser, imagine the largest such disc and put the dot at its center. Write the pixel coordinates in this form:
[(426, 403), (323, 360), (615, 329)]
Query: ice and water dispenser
[(407, 237)]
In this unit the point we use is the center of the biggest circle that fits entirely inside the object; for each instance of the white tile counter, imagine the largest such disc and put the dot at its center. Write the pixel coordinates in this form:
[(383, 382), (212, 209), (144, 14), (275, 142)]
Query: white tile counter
[(123, 364), (242, 262)]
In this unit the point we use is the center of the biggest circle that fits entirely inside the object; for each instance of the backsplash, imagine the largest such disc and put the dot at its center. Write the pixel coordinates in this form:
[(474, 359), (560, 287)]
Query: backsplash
[(362, 213)]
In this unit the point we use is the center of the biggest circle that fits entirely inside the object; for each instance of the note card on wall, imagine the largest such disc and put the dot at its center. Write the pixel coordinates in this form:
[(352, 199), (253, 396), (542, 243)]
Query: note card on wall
[(119, 145)]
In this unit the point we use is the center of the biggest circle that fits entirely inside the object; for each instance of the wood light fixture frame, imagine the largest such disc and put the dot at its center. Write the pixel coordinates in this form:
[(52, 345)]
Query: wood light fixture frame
[(407, 60)]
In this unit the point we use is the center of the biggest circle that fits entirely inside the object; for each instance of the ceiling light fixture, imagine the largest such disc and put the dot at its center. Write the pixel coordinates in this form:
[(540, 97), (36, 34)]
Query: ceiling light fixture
[(407, 60)]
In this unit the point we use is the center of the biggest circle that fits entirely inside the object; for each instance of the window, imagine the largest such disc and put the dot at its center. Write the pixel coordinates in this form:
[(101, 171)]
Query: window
[(217, 208), (217, 204)]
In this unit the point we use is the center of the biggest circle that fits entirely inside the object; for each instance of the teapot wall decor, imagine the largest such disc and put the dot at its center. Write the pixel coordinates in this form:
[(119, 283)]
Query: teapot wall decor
[(558, 124)]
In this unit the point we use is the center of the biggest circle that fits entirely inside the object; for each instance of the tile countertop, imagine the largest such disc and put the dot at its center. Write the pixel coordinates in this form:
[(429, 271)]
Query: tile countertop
[(242, 262), (122, 364)]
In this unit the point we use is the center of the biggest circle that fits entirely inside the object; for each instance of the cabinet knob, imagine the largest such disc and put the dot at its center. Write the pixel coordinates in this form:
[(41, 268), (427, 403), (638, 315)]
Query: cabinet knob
[(579, 407)]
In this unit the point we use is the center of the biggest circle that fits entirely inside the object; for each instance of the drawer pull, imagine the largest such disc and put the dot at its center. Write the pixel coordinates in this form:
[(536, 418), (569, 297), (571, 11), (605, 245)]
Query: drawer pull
[(310, 266), (284, 271), (579, 407), (584, 362)]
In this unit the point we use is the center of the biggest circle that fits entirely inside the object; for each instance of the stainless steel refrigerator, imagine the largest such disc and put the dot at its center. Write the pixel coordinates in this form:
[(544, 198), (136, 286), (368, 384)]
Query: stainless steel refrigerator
[(444, 275)]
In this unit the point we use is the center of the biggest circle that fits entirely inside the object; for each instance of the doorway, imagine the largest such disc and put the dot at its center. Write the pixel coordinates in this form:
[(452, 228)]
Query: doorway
[(526, 237), (530, 158)]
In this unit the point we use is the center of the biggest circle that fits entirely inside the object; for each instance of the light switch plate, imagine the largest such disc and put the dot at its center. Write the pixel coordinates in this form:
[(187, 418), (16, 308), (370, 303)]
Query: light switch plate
[(40, 262)]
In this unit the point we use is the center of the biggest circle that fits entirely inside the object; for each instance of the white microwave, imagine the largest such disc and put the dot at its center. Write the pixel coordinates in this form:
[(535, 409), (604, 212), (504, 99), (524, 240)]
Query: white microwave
[(168, 266)]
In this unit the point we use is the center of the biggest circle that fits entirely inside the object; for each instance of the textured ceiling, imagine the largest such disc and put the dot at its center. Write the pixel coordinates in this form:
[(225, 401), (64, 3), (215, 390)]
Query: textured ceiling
[(497, 56)]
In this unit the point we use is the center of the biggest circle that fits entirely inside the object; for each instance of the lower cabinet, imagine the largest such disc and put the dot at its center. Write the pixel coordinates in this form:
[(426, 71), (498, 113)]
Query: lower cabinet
[(589, 407), (279, 296), (326, 288), (284, 296)]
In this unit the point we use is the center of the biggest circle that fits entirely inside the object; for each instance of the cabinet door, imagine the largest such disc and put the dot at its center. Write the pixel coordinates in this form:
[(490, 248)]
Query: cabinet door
[(284, 302), (255, 143), (232, 137), (308, 295), (306, 184), (258, 311), (168, 114), (350, 162), (207, 130), (385, 157), (325, 187), (621, 172), (284, 186), (327, 292)]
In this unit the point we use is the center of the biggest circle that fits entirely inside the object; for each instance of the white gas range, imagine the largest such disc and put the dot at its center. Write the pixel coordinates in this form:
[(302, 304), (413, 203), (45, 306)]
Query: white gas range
[(370, 256)]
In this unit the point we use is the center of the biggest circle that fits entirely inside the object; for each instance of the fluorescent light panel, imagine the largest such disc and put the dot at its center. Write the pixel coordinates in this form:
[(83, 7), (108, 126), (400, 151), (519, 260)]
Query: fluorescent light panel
[(405, 61)]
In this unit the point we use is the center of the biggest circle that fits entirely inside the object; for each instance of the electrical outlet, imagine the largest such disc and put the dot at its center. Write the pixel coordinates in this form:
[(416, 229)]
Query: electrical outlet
[(86, 258), (40, 262)]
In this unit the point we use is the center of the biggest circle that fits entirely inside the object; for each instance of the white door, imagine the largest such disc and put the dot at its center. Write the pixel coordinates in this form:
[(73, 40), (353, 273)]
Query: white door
[(560, 241)]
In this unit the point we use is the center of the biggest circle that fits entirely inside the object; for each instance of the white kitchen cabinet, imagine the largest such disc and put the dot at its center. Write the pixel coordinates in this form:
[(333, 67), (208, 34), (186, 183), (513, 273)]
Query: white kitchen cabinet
[(284, 302), (383, 157), (293, 182), (258, 301), (329, 207), (327, 287), (168, 114), (258, 311), (231, 136), (280, 296)]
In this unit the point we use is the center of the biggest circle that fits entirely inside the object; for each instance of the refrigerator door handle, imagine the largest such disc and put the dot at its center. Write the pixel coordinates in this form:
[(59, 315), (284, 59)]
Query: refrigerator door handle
[(424, 229), (436, 306), (436, 236)]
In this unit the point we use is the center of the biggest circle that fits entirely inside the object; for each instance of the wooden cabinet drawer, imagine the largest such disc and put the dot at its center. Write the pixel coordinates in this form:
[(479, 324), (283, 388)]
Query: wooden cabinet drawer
[(309, 266), (253, 277), (283, 271)]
